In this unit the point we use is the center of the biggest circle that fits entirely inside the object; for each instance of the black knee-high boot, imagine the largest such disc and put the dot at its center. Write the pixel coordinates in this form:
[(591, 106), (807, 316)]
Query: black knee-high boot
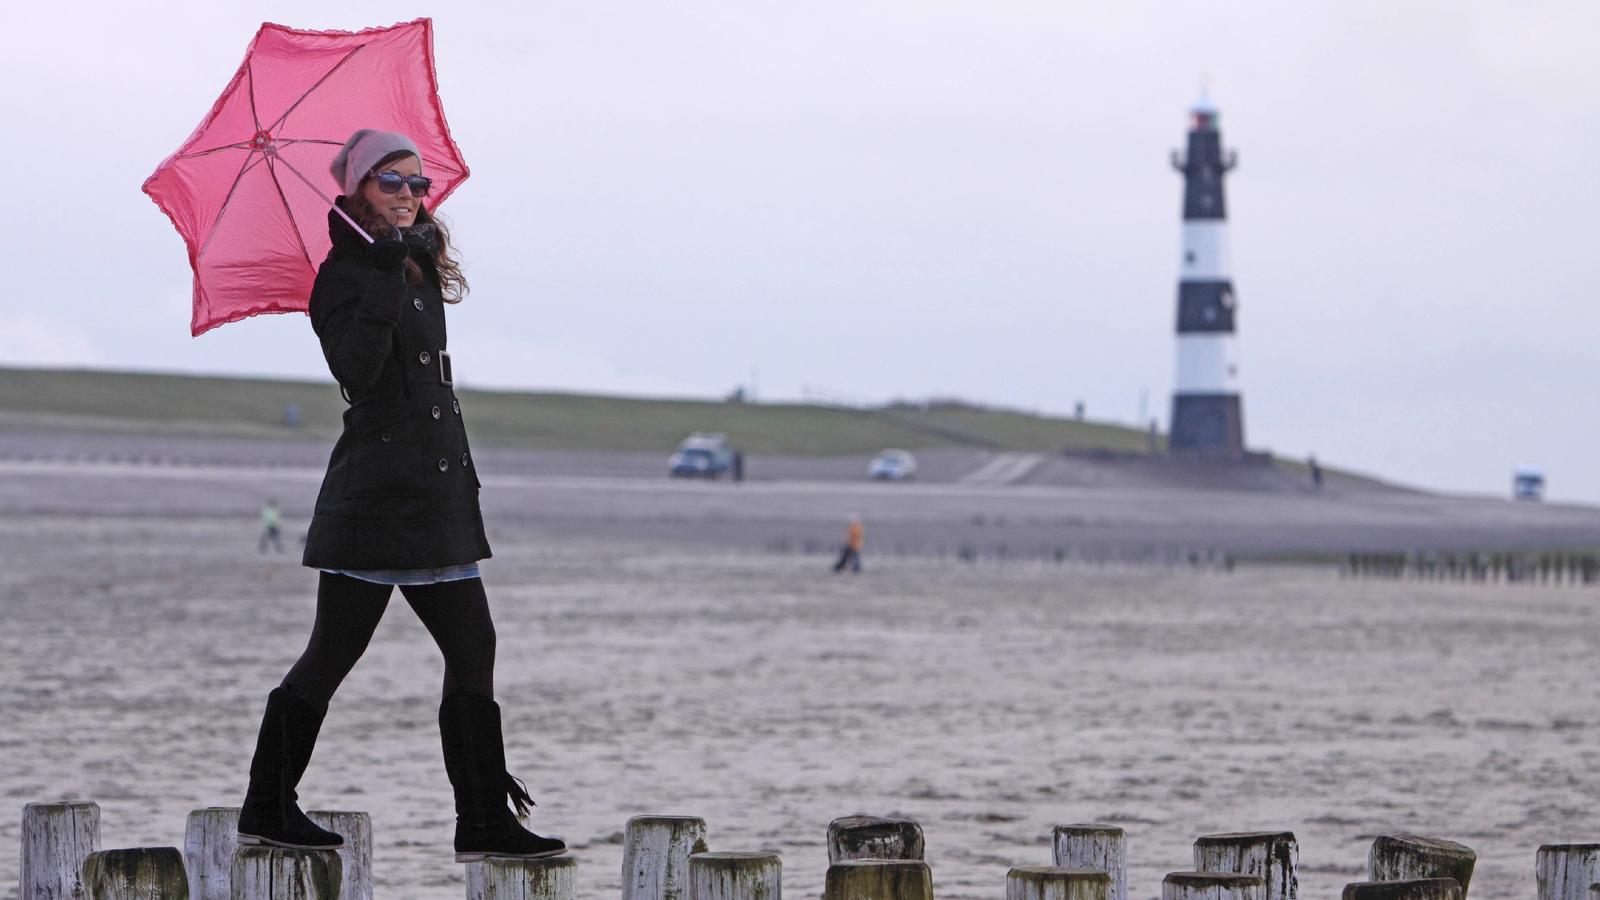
[(475, 760), (283, 749)]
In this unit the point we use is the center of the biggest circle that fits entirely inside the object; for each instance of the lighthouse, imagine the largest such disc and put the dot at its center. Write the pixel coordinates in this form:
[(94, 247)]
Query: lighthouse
[(1207, 416)]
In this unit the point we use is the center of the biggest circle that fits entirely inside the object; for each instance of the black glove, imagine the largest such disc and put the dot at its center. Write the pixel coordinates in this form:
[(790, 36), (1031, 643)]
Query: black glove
[(423, 238), (388, 254)]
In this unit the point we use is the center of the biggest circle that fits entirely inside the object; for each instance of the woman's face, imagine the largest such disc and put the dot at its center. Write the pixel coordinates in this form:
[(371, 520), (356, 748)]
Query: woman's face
[(399, 209)]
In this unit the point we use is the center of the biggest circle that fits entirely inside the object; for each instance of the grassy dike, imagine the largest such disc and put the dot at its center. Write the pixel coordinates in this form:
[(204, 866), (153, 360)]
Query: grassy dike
[(146, 402)]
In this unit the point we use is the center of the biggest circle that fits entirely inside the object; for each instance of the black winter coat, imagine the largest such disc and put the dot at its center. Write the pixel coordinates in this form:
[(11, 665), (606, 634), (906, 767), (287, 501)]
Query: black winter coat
[(401, 491)]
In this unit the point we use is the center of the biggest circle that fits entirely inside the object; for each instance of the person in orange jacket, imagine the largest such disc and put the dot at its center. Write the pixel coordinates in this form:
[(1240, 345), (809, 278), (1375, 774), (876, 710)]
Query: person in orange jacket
[(854, 540)]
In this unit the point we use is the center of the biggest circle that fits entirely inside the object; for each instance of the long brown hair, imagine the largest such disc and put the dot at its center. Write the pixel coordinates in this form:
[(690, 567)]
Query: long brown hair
[(452, 283)]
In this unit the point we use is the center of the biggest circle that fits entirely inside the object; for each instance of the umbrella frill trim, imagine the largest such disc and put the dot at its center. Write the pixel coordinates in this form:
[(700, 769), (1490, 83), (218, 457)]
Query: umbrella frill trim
[(195, 331)]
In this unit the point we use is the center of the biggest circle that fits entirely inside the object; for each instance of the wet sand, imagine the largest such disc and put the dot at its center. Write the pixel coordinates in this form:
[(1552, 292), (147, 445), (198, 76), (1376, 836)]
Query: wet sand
[(657, 656)]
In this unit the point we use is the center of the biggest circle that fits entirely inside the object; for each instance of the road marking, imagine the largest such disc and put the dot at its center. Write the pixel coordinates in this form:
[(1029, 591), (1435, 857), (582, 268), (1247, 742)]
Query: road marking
[(1007, 468)]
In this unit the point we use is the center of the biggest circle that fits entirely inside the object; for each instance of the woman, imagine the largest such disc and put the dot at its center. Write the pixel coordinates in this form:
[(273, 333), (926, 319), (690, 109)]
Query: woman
[(398, 507)]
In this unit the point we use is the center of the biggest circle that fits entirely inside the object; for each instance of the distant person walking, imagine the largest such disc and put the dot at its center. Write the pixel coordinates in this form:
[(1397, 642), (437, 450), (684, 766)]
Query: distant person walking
[(270, 528), (398, 507), (854, 539), (1316, 472)]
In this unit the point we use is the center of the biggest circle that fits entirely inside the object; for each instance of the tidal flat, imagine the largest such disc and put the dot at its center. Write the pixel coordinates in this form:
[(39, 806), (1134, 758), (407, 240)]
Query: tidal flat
[(642, 674)]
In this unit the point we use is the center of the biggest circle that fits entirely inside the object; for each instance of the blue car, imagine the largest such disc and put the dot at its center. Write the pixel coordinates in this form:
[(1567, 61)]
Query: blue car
[(701, 456)]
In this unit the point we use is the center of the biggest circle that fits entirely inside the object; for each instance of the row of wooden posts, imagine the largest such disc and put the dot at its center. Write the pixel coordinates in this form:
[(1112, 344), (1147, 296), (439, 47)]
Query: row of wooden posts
[(1203, 559), (667, 858), (1575, 569)]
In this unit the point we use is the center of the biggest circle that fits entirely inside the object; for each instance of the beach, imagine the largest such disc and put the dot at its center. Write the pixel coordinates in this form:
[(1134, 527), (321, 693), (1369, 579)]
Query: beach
[(677, 648)]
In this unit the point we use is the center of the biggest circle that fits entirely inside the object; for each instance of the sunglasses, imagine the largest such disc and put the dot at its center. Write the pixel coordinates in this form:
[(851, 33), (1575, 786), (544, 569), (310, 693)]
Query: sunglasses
[(390, 182)]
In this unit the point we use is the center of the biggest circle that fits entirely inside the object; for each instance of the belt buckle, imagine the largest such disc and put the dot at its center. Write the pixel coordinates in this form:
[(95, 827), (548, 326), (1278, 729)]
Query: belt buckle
[(444, 369)]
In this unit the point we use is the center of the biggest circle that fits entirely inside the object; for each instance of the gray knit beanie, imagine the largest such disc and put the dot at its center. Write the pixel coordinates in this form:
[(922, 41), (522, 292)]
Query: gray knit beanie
[(363, 151)]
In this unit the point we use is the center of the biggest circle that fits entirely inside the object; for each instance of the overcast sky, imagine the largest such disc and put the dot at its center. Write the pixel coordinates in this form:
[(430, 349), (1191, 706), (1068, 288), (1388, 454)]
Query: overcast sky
[(911, 198)]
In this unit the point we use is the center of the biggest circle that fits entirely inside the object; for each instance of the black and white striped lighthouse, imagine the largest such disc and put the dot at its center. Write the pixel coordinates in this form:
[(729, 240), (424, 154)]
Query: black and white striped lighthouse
[(1207, 417)]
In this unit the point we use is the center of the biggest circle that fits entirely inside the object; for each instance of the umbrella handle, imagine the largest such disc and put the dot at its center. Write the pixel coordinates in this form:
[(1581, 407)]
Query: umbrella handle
[(336, 208)]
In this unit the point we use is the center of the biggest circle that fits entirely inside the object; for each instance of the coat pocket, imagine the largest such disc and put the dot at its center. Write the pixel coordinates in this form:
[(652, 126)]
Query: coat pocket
[(386, 460)]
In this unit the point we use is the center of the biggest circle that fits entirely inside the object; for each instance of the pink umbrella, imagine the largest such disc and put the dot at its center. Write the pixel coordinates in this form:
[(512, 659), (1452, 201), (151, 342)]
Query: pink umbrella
[(249, 190)]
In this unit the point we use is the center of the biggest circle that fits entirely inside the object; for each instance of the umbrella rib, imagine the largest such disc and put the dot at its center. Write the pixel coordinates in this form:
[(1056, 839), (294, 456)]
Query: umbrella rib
[(242, 145), (225, 202), (247, 145), (250, 72), (329, 74), (292, 223)]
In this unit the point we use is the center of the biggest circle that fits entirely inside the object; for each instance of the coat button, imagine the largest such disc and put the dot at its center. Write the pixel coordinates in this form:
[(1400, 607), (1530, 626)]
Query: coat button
[(444, 465), (436, 412), (463, 459), (456, 405), (384, 437), (424, 357), (417, 302)]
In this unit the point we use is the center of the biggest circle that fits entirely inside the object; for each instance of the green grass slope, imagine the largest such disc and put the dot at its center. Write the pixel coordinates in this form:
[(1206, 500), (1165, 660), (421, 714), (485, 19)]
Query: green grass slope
[(139, 401)]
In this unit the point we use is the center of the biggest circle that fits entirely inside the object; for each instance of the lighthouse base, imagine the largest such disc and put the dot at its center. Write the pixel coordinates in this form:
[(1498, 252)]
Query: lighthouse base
[(1207, 426)]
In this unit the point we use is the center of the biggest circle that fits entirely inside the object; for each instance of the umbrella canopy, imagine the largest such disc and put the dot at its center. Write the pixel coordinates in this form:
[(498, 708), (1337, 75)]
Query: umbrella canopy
[(250, 189)]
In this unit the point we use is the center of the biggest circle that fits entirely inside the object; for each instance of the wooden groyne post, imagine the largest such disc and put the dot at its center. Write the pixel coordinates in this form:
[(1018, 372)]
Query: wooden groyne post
[(1272, 855), (355, 857), (1412, 889), (1403, 857), (879, 879), (1057, 883), (137, 873), (655, 856), (270, 873), (56, 839), (1087, 846), (1212, 886), (872, 837), (523, 879), (1567, 871), (211, 837), (735, 876)]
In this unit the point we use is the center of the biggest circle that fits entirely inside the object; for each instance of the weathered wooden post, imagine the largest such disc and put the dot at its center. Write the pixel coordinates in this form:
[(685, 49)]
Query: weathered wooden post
[(1403, 857), (56, 839), (735, 876), (1212, 886), (1566, 871), (1272, 855), (1057, 883), (879, 879), (211, 836), (269, 873), (1103, 847), (523, 879), (871, 837), (1412, 889), (655, 856), (138, 873), (355, 857)]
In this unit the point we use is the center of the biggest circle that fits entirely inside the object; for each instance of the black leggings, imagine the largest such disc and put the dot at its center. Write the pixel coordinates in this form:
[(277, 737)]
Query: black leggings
[(456, 613)]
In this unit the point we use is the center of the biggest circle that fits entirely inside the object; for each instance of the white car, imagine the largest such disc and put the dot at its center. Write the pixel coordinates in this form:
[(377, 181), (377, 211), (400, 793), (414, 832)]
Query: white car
[(892, 465)]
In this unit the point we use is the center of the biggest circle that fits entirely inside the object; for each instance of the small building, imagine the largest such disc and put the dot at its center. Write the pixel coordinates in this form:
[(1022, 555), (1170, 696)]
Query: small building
[(1527, 483)]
